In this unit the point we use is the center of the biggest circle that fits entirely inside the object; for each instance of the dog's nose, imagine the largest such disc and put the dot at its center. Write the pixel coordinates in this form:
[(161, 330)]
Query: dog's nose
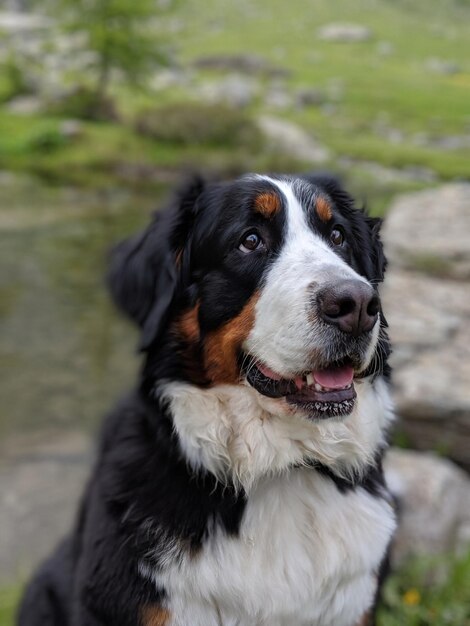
[(351, 305)]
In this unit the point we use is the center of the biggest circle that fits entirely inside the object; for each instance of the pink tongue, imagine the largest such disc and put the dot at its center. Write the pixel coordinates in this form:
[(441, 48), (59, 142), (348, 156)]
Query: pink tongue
[(335, 377), (267, 371)]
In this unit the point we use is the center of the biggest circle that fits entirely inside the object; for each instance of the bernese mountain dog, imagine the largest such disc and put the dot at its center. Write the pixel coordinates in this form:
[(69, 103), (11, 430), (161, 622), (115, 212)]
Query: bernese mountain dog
[(240, 484)]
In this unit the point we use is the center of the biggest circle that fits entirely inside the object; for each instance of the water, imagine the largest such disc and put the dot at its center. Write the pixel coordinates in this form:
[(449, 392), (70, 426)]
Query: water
[(65, 354)]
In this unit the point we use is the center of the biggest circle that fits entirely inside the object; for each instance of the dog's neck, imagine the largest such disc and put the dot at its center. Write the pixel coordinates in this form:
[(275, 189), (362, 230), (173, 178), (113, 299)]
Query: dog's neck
[(240, 436)]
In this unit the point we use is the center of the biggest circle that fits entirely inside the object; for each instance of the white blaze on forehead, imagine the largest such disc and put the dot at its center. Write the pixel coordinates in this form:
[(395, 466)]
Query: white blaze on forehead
[(285, 333), (297, 226)]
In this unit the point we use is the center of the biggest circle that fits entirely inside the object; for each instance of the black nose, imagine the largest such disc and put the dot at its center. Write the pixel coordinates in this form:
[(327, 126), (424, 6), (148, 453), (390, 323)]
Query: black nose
[(351, 305)]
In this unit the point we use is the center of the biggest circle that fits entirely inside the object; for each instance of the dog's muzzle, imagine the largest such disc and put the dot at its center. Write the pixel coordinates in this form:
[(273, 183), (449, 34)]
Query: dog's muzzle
[(347, 311)]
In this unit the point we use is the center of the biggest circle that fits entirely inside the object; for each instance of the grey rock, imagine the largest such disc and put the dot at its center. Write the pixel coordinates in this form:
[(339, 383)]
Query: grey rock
[(251, 64), (427, 303), (18, 22), (342, 32), (434, 504), (309, 96), (292, 139), (431, 226), (278, 97), (170, 77), (442, 66), (40, 486), (25, 105), (236, 90), (71, 129)]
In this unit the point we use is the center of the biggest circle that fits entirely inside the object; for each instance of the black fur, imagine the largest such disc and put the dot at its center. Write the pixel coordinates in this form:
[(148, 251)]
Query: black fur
[(142, 492)]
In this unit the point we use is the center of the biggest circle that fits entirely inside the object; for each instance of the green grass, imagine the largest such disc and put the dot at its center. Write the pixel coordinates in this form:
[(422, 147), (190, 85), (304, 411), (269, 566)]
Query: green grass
[(428, 591), (381, 94), (9, 598), (398, 87)]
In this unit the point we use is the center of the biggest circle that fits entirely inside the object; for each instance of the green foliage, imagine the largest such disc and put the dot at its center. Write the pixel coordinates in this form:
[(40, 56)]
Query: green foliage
[(12, 80), (9, 598), (119, 33), (47, 140), (428, 591), (82, 103), (196, 123)]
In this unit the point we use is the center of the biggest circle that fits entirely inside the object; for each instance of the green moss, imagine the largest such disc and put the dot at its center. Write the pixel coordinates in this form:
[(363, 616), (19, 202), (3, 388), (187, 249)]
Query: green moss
[(9, 598), (432, 265)]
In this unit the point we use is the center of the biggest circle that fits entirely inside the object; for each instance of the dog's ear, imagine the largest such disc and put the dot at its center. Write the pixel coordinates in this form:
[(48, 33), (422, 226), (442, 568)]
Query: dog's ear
[(378, 259), (147, 270)]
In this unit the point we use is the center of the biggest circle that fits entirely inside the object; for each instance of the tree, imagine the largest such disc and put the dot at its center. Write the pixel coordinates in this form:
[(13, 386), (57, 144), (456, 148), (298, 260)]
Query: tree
[(119, 33)]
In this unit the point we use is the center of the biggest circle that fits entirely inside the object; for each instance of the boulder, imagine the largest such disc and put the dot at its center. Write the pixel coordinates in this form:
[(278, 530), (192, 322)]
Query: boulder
[(442, 66), (428, 231), (344, 33), (309, 97), (427, 303), (292, 140), (40, 487), (235, 90), (17, 22), (433, 498)]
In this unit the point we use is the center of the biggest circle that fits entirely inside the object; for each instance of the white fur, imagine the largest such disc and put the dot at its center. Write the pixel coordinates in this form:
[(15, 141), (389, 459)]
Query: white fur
[(285, 333), (306, 555), (237, 433)]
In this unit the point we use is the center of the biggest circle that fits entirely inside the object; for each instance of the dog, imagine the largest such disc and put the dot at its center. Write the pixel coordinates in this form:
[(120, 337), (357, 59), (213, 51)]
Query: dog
[(240, 483)]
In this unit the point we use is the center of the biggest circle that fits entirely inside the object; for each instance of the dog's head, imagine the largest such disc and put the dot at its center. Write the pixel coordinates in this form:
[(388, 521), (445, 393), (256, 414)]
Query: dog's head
[(266, 283)]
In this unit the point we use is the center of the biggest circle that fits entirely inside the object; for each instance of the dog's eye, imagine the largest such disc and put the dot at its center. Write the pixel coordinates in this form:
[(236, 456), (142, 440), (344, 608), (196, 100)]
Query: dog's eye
[(337, 237), (250, 242)]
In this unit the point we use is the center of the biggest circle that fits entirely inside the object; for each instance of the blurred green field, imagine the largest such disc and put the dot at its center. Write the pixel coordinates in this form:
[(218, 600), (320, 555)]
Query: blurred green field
[(393, 109)]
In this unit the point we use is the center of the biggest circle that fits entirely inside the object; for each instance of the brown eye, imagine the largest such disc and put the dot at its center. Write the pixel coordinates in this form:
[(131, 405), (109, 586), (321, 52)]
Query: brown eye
[(336, 237), (250, 242)]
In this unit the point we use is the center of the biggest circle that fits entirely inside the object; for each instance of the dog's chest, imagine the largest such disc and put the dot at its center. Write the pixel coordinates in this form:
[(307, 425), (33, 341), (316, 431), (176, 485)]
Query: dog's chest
[(306, 554)]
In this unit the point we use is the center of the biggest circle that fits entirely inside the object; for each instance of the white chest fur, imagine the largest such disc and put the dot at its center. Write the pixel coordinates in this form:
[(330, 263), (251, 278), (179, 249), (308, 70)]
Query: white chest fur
[(306, 555)]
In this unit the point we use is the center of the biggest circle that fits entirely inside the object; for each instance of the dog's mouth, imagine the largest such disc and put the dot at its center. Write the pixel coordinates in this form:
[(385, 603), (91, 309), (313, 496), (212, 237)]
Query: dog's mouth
[(322, 393)]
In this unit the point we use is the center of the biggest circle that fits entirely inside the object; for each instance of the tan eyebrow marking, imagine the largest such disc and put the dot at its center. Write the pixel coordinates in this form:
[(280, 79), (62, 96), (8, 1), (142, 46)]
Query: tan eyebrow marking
[(268, 204), (323, 209)]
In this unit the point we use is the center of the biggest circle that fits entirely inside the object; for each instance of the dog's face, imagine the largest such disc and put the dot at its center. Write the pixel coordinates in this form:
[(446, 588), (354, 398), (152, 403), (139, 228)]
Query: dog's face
[(265, 282)]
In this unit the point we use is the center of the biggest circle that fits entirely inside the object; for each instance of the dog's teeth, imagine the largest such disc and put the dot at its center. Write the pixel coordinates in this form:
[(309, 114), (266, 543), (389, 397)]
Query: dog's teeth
[(309, 379), (318, 387)]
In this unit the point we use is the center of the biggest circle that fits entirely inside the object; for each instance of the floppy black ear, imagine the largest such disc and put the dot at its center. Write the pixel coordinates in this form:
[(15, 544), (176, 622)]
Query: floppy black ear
[(148, 269), (378, 258)]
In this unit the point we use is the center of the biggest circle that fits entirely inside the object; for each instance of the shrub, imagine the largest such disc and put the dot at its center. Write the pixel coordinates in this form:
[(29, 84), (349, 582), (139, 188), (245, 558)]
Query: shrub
[(14, 82), (209, 124), (82, 103), (46, 140)]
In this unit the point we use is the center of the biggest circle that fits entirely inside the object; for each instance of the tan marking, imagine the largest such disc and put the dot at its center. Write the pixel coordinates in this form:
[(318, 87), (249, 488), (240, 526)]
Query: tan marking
[(155, 616), (268, 204), (222, 345), (186, 328), (178, 257), (365, 619), (323, 209)]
